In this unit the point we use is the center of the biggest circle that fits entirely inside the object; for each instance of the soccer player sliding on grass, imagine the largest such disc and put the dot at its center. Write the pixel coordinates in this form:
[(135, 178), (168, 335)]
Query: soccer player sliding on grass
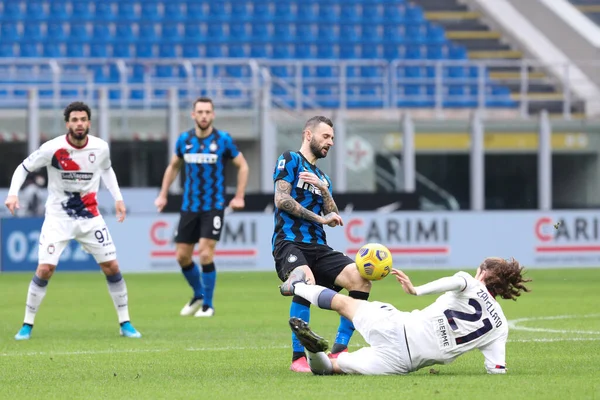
[(464, 318)]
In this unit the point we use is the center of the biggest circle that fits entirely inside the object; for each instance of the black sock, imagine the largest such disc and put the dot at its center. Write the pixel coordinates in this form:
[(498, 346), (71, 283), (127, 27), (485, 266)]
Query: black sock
[(124, 322), (297, 354), (337, 348)]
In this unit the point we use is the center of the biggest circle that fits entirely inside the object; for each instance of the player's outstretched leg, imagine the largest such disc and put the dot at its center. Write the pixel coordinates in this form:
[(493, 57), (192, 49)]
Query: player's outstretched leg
[(310, 340), (287, 287), (35, 295), (315, 347)]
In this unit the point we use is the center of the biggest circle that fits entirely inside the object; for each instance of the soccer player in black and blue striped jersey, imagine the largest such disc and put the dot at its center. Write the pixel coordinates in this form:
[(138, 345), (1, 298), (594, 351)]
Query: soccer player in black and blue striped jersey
[(205, 152), (304, 203)]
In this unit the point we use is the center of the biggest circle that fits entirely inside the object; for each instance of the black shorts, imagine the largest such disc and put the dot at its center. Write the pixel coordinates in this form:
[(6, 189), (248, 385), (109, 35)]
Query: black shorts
[(195, 225), (325, 263)]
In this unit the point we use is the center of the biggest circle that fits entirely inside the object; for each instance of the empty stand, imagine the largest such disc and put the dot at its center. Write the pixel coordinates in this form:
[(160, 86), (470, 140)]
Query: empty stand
[(379, 36)]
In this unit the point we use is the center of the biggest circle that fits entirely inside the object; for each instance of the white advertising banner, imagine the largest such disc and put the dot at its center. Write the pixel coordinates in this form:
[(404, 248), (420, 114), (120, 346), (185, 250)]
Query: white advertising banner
[(417, 240)]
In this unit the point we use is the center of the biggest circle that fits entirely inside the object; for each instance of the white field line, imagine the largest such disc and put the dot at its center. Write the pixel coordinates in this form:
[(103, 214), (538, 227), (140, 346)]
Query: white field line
[(513, 324)]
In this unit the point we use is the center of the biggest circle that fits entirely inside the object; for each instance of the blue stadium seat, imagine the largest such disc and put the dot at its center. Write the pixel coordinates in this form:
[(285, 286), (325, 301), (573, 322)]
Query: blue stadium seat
[(282, 32), (126, 10), (170, 32), (173, 11), (190, 50), (283, 11), (78, 32), (413, 52), (303, 51), (195, 11), (349, 33), (327, 33), (123, 32), (34, 11), (391, 51), (6, 50), (55, 31), (102, 33), (147, 32), (12, 12), (281, 51), (214, 50), (238, 32), (435, 34), (349, 13), (394, 13), (457, 52), (216, 10), (144, 50), (164, 71), (58, 11), (328, 13), (214, 31), (260, 31), (193, 32), (103, 11), (262, 12), (372, 13), (52, 50), (258, 50), (29, 49), (435, 52), (121, 50), (99, 50), (240, 12), (305, 11), (167, 50), (371, 33), (348, 51), (9, 32), (414, 13), (75, 50), (305, 32), (82, 10), (415, 32), (32, 31), (149, 11)]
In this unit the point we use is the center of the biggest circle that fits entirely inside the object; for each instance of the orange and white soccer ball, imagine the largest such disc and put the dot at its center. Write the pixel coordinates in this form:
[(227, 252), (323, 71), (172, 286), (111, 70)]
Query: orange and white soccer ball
[(374, 261)]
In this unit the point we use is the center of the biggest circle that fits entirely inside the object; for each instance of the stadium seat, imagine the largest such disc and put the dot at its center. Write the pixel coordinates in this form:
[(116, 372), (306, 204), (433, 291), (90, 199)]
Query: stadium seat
[(192, 32), (78, 32), (215, 32), (99, 50), (103, 11), (149, 11), (102, 33), (75, 50), (328, 13), (12, 12), (372, 13), (147, 32), (305, 11), (349, 13), (126, 10), (167, 50), (282, 32), (190, 50), (58, 11), (9, 32), (6, 50), (34, 11), (259, 50), (173, 11), (123, 32), (195, 11), (29, 49), (283, 11), (262, 12), (55, 31), (260, 31), (121, 50), (32, 31), (394, 13), (52, 50), (217, 10), (144, 50), (82, 10), (240, 12), (170, 32)]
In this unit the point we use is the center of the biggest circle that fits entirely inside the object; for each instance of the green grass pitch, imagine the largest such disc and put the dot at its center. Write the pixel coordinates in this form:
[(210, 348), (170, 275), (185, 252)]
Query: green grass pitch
[(244, 351)]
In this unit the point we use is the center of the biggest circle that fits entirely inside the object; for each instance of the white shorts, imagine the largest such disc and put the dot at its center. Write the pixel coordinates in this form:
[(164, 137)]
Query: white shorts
[(92, 234), (382, 326)]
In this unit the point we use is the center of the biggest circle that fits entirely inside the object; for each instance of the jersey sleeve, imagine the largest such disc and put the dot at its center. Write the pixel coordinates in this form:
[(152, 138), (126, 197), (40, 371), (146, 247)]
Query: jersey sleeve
[(495, 356), (106, 162), (40, 158), (231, 149), (179, 146), (452, 283), (286, 168)]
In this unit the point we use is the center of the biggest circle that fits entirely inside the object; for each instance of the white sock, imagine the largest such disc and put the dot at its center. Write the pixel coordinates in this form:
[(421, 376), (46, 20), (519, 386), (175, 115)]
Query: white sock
[(319, 363), (35, 295), (317, 295), (118, 292)]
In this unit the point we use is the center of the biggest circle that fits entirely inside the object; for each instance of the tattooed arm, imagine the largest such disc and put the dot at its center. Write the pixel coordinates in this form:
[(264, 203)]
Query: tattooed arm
[(285, 202), (328, 203)]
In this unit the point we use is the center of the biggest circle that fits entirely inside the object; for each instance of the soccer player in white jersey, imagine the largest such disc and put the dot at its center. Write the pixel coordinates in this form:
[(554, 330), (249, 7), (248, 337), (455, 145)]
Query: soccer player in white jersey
[(75, 163), (464, 318)]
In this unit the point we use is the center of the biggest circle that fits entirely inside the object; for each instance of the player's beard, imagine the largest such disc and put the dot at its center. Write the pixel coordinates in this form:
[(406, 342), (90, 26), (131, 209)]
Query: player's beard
[(203, 126), (317, 150), (78, 136)]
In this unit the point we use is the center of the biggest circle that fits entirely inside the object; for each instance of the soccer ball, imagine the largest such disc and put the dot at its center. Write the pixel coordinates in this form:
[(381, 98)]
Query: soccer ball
[(374, 261)]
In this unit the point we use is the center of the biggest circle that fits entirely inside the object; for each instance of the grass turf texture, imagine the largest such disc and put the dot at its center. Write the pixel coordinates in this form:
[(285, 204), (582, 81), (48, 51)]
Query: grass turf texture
[(244, 351)]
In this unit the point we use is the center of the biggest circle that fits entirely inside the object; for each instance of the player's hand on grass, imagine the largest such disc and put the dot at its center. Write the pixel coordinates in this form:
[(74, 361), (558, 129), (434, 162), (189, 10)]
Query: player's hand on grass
[(121, 210), (332, 219), (237, 203), (160, 202), (12, 203), (313, 179), (404, 281)]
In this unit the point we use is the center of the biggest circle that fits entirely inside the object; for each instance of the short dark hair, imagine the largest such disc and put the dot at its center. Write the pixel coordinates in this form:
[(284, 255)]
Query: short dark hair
[(203, 100), (316, 120), (504, 278), (77, 106)]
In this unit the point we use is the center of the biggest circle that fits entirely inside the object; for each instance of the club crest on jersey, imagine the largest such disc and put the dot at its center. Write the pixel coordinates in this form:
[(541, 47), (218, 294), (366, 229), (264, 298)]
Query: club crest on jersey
[(292, 258), (92, 157), (213, 147), (50, 249), (281, 165)]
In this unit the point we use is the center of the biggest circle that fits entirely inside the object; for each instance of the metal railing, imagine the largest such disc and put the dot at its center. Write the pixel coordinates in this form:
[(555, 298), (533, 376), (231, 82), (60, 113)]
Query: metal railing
[(294, 84)]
